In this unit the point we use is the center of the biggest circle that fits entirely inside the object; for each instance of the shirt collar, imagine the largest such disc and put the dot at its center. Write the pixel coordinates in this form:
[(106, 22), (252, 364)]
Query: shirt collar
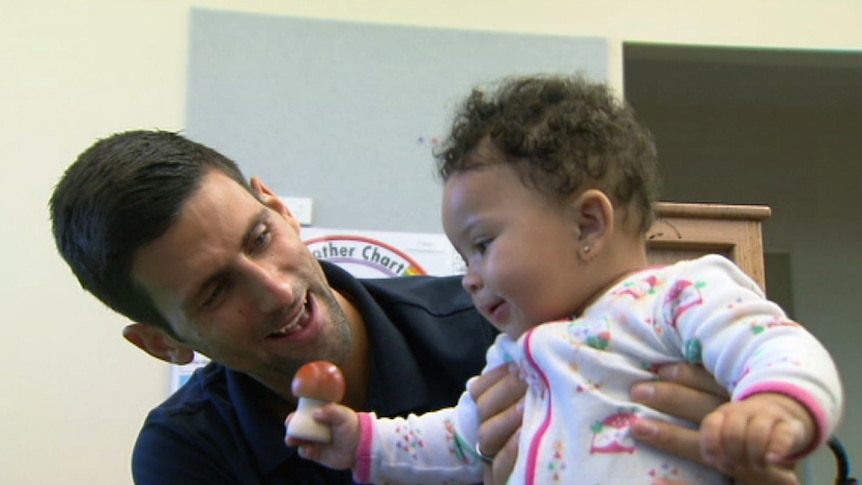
[(394, 387)]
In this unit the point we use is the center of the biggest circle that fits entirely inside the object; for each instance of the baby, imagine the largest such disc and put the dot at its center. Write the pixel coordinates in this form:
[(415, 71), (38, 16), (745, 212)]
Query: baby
[(549, 190)]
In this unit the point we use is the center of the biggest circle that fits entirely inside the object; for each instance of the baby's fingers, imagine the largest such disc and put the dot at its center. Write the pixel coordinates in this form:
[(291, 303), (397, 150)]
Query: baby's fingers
[(309, 451), (734, 430), (724, 440), (332, 414), (710, 437), (757, 438), (787, 439), (289, 440)]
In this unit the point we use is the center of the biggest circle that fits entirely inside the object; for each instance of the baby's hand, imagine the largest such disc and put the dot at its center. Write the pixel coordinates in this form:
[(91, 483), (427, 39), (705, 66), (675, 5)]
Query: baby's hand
[(340, 453), (758, 432)]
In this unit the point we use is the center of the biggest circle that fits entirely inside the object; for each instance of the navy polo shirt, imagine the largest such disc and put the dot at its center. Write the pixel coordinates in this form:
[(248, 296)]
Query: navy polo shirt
[(426, 339)]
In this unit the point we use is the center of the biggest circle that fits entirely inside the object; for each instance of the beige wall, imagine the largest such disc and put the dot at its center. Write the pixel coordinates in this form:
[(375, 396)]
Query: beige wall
[(73, 393)]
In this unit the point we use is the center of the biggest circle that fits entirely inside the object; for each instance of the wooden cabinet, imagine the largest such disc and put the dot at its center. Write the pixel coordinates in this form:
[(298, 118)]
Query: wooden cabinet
[(686, 231)]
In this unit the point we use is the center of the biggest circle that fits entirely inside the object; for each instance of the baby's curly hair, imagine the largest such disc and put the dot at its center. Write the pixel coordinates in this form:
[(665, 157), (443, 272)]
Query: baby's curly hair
[(562, 135)]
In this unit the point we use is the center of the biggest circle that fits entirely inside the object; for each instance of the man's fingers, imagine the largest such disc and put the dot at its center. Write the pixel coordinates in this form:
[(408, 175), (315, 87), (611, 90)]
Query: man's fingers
[(773, 475), (676, 440), (664, 481), (496, 431), (499, 396), (677, 400), (487, 474), (690, 393), (498, 392), (504, 461), (488, 379), (693, 377), (683, 443)]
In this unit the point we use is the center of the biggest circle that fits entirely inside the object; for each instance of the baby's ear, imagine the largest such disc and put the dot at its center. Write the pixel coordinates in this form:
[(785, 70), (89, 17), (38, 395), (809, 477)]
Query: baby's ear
[(593, 213), (156, 342)]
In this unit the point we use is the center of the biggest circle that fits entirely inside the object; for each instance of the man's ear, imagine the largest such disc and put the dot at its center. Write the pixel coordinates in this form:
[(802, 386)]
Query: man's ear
[(158, 343), (593, 214), (274, 202)]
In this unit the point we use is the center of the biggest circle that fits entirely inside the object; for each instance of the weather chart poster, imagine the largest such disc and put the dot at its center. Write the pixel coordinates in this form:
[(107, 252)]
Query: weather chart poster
[(366, 254)]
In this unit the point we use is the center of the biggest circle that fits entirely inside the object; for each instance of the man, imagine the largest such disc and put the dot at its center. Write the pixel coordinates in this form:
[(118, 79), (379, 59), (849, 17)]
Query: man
[(168, 233)]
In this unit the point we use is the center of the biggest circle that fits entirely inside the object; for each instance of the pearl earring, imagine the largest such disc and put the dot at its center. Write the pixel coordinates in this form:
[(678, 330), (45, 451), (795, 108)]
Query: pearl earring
[(586, 249)]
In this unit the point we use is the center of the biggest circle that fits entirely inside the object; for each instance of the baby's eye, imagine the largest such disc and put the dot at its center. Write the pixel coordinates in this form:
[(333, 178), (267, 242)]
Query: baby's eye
[(481, 245)]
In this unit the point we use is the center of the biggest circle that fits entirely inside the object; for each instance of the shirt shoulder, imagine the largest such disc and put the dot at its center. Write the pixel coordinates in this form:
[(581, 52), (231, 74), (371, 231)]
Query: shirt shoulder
[(187, 439), (713, 268), (437, 295)]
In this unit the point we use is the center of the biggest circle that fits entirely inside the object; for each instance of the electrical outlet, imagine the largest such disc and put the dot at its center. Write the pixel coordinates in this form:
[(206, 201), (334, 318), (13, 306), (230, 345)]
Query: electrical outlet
[(301, 208)]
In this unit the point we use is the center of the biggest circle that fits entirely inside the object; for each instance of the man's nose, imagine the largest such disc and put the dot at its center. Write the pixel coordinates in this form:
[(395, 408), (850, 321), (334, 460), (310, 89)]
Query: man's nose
[(271, 291)]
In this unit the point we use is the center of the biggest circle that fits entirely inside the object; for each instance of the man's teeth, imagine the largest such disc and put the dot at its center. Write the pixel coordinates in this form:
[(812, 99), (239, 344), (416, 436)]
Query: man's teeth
[(294, 325), (287, 329)]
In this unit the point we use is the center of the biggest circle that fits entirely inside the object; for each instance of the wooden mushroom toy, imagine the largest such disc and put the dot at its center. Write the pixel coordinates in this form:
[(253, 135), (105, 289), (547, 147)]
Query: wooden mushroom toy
[(315, 384)]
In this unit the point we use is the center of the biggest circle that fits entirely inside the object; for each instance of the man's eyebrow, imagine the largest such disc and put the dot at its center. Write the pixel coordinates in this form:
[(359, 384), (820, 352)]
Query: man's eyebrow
[(188, 302)]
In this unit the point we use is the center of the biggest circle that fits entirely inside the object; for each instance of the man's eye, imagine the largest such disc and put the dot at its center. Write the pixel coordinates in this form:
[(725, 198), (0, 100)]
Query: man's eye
[(262, 239), (216, 294)]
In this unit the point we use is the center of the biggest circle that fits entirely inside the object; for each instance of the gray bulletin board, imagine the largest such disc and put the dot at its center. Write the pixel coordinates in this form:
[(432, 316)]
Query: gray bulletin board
[(346, 113)]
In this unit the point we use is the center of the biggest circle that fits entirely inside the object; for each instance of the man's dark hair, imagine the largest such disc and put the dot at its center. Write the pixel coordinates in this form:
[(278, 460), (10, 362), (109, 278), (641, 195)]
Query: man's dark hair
[(123, 192), (562, 135)]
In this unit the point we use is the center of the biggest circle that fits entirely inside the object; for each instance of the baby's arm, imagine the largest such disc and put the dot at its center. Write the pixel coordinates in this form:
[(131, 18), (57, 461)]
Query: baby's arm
[(750, 345), (426, 448), (340, 453), (757, 432)]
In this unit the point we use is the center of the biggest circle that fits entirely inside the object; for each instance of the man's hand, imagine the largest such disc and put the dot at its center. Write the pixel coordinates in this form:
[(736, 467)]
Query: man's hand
[(686, 391), (690, 392), (499, 395)]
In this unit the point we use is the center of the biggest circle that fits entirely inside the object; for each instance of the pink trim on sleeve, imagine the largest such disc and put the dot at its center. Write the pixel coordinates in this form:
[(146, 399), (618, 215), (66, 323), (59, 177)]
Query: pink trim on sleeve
[(364, 451), (821, 417)]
